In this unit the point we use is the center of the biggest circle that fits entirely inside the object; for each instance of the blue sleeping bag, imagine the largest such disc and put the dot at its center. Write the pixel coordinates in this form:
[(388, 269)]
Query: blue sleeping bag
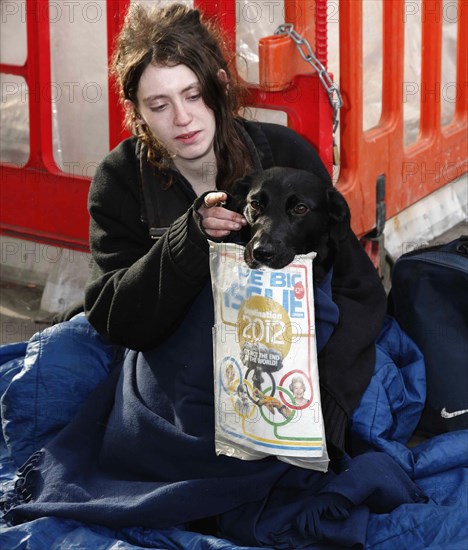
[(44, 383)]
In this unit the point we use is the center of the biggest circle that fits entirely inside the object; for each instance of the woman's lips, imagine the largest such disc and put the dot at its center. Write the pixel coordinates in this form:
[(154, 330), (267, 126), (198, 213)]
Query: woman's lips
[(189, 137)]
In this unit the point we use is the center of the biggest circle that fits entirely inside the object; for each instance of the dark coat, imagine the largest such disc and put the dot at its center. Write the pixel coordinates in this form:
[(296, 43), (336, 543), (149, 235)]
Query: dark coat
[(141, 288)]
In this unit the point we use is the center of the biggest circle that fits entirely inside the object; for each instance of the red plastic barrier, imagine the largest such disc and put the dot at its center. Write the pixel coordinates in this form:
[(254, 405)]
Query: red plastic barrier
[(440, 153), (41, 203), (38, 200)]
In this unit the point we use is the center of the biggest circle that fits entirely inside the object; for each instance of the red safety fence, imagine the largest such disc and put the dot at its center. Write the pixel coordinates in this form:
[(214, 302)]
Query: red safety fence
[(38, 200), (42, 203), (439, 154)]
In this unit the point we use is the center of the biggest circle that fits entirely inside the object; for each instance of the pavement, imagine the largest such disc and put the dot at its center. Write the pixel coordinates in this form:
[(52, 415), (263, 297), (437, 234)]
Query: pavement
[(20, 313)]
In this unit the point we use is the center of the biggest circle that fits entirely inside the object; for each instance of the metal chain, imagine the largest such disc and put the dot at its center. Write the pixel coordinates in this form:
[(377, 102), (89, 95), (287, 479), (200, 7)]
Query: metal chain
[(304, 48)]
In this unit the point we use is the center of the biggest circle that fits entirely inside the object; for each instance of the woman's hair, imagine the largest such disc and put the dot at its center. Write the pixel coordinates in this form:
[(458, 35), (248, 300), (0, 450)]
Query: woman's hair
[(171, 36), (297, 380)]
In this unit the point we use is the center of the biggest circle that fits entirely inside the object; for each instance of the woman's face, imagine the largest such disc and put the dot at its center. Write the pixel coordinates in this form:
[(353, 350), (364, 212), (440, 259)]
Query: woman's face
[(170, 102), (298, 390)]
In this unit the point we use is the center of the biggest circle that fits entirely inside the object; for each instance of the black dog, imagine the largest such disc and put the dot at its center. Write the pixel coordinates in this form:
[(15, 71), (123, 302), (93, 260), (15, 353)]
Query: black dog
[(291, 212)]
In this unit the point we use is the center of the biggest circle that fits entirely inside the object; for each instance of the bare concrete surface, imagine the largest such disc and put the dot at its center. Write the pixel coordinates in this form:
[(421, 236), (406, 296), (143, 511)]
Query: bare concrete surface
[(452, 234), (20, 314)]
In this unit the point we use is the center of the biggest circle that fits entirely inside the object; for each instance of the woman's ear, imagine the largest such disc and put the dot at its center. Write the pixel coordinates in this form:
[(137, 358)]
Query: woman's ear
[(223, 77), (128, 105), (130, 108)]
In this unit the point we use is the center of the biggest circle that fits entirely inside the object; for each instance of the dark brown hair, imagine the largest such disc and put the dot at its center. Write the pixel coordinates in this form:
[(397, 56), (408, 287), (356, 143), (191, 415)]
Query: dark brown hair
[(178, 35)]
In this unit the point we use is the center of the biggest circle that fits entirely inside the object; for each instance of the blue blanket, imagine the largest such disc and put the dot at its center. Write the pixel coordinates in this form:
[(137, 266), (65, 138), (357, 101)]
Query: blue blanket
[(45, 381)]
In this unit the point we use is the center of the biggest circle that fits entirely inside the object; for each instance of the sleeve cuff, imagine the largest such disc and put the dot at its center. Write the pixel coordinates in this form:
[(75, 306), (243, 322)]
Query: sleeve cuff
[(189, 247)]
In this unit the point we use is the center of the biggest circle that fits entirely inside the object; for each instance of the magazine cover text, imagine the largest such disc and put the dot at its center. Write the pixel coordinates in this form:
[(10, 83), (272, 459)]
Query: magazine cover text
[(267, 399)]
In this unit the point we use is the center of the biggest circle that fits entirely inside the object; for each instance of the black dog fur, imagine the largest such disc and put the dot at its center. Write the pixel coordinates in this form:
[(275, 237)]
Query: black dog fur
[(290, 212)]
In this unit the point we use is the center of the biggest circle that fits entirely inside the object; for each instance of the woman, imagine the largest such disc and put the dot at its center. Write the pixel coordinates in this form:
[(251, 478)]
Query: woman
[(298, 389), (182, 102), (141, 452)]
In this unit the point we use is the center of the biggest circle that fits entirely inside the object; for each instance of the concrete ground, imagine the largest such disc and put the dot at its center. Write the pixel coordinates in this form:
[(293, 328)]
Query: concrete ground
[(20, 314)]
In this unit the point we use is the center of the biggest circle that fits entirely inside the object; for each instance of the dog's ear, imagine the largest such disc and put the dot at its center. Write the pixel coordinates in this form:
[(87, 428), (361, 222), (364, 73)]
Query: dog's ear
[(239, 191), (340, 215)]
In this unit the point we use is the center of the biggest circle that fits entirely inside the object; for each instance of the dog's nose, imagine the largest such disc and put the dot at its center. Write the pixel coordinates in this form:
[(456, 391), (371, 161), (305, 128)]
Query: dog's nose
[(263, 253)]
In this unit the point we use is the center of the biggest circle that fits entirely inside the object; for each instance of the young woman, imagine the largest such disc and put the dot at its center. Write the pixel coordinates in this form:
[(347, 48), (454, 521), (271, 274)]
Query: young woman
[(148, 238), (142, 450)]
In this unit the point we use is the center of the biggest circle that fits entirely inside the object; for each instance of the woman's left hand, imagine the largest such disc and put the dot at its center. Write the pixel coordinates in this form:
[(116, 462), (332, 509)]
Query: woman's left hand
[(218, 221)]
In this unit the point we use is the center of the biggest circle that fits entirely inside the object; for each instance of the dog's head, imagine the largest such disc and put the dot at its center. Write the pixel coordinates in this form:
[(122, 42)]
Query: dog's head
[(291, 212)]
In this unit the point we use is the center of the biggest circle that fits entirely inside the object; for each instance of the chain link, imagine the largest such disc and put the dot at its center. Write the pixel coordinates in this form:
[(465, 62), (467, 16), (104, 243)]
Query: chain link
[(307, 54)]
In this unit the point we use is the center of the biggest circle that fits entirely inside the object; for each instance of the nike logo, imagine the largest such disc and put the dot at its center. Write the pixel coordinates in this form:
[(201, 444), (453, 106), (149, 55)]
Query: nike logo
[(445, 414)]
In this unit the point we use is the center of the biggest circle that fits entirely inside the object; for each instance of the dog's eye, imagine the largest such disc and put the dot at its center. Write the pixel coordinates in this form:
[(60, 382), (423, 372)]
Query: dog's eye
[(301, 209), (255, 205)]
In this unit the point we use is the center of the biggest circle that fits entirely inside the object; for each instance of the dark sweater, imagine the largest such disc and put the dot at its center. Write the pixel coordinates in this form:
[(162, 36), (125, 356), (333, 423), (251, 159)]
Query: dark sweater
[(140, 289)]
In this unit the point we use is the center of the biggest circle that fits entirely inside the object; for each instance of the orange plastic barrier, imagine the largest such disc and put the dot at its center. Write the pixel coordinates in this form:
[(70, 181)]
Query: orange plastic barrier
[(279, 60), (440, 153), (42, 203), (287, 82), (116, 10), (38, 200)]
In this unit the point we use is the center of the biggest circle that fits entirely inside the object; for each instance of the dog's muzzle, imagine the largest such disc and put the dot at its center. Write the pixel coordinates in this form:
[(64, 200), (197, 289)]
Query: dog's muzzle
[(267, 254)]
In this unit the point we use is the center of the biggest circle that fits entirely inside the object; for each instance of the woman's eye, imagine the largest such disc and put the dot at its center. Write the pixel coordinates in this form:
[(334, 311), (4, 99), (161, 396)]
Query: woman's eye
[(301, 209), (194, 97), (158, 108)]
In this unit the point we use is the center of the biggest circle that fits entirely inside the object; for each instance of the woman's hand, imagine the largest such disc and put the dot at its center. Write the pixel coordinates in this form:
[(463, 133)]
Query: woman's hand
[(217, 221)]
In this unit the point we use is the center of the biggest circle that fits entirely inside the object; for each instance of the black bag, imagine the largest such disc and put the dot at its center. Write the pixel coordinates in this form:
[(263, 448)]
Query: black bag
[(429, 298)]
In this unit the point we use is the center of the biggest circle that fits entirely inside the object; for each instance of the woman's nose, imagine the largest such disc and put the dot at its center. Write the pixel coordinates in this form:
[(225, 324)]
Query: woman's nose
[(182, 115)]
